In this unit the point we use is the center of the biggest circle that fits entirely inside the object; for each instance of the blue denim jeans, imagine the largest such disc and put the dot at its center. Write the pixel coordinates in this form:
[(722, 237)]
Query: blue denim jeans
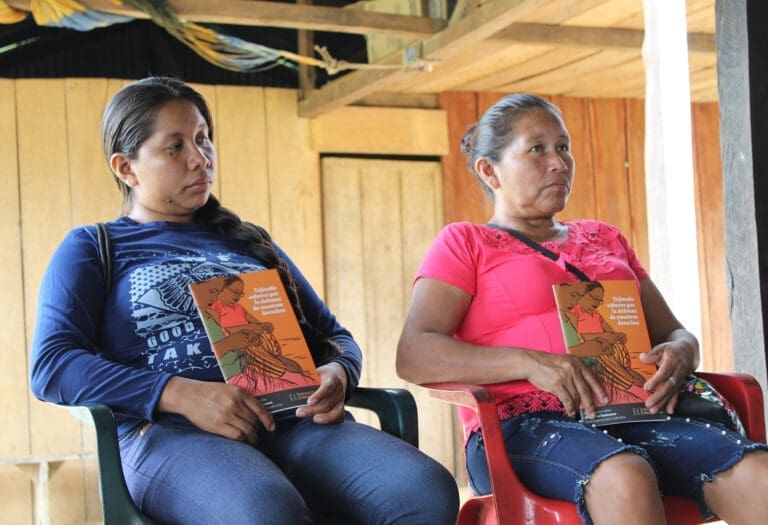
[(554, 456), (300, 474)]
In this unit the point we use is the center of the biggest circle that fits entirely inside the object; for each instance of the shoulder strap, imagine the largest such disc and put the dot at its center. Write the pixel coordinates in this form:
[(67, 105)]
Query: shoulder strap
[(539, 248), (105, 254)]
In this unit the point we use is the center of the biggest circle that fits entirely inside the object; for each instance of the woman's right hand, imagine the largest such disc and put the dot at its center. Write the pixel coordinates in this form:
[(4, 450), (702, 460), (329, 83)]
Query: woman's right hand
[(569, 379), (219, 408)]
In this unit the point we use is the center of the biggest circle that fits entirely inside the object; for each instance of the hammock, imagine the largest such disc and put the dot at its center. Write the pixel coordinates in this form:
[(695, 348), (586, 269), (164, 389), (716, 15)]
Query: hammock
[(225, 51)]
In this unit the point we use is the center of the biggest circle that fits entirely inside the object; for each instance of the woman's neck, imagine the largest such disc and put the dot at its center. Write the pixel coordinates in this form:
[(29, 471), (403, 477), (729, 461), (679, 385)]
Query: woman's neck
[(547, 229)]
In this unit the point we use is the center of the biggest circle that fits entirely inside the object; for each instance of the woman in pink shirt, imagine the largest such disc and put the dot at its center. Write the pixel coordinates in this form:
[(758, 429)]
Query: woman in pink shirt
[(483, 312)]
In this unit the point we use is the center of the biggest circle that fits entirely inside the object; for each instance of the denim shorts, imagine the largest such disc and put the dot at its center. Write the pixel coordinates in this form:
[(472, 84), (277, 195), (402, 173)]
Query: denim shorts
[(554, 455)]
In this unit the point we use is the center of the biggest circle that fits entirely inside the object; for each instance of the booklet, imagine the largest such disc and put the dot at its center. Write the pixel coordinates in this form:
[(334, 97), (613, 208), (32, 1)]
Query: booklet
[(256, 337), (604, 324)]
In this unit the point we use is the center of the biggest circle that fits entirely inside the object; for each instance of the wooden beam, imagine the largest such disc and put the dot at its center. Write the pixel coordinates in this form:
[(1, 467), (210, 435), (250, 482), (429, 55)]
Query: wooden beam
[(305, 46), (669, 181), (742, 81), (478, 25), (597, 37), (400, 100), (274, 14), (383, 131)]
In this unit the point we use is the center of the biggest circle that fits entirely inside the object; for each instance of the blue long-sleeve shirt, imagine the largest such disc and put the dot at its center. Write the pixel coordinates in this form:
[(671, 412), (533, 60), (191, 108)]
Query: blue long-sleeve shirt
[(120, 349)]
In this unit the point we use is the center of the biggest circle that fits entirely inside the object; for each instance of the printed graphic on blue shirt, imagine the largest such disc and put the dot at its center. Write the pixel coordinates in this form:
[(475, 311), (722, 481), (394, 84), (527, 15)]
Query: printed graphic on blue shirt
[(166, 316)]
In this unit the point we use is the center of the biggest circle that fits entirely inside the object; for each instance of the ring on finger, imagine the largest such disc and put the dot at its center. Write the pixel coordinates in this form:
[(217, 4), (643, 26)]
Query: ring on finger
[(672, 380)]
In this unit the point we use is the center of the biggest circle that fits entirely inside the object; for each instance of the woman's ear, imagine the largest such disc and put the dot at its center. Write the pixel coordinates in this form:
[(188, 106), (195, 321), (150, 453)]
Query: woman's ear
[(121, 167), (485, 170)]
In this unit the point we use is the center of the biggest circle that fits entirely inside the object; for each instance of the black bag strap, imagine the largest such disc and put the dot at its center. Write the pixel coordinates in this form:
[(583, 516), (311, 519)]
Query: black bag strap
[(104, 249), (539, 248)]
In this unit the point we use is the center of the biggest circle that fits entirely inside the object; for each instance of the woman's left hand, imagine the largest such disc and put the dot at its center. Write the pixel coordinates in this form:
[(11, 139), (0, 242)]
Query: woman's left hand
[(673, 363), (326, 405)]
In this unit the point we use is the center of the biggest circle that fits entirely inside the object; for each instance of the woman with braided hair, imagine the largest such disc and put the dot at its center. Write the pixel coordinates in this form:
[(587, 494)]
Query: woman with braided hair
[(195, 449)]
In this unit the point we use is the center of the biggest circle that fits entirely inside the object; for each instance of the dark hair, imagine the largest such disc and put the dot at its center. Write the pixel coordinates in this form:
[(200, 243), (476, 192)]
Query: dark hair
[(594, 285), (494, 131), (129, 120), (232, 279)]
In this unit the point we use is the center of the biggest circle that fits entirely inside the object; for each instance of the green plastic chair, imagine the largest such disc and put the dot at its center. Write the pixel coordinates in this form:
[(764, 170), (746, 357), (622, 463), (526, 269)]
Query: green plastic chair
[(395, 408)]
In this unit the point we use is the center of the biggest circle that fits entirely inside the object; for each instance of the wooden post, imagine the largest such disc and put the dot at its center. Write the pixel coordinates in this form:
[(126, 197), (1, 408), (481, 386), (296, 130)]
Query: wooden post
[(305, 46), (670, 188), (40, 469), (742, 89)]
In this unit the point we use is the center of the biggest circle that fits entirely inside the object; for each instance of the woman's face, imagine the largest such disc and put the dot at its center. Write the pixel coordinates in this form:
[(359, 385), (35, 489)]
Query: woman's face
[(533, 177), (592, 299), (171, 176), (210, 292), (232, 293), (575, 293)]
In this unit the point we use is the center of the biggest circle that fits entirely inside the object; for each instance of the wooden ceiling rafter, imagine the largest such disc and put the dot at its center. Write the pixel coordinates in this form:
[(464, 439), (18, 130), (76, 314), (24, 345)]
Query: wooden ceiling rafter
[(459, 49), (596, 37), (276, 14), (479, 24)]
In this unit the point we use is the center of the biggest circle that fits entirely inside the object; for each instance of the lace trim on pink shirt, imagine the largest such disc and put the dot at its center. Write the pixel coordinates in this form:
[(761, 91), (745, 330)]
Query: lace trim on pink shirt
[(588, 247), (534, 401)]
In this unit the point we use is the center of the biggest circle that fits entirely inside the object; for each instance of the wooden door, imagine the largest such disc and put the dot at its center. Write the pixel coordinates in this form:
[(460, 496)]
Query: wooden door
[(380, 216)]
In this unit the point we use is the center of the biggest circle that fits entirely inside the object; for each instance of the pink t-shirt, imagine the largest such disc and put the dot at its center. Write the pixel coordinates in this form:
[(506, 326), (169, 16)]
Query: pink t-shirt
[(512, 299), (587, 323), (230, 316)]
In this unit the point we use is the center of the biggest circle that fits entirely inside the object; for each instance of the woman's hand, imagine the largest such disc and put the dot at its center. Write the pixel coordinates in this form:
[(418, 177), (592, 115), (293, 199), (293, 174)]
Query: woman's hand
[(675, 354), (326, 405), (673, 360), (219, 408), (569, 379)]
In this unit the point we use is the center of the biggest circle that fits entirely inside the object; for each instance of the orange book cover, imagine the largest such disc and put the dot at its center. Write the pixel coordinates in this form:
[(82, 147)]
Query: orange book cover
[(256, 337), (604, 324)]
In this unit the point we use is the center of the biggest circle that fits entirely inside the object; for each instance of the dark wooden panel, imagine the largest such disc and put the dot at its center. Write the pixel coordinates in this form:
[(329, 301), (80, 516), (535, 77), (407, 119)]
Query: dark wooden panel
[(716, 326), (635, 138), (581, 203), (610, 156), (463, 198)]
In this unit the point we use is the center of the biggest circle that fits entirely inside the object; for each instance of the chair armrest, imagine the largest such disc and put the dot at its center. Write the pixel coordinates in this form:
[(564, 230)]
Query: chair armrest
[(117, 505), (395, 408), (744, 393), (508, 491)]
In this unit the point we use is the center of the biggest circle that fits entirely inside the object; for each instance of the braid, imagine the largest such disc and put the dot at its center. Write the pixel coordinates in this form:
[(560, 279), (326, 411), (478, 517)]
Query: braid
[(261, 247)]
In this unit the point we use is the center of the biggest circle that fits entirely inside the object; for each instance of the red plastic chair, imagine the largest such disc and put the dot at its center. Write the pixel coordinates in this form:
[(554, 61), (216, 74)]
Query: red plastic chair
[(512, 503)]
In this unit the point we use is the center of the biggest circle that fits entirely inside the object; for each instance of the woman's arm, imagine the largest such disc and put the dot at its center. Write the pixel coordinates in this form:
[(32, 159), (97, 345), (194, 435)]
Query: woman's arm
[(428, 353), (675, 350), (340, 374), (66, 366)]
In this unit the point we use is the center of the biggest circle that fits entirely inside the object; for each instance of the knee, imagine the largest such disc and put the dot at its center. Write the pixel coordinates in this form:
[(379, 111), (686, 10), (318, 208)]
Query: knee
[(625, 475), (430, 496), (273, 501), (750, 471)]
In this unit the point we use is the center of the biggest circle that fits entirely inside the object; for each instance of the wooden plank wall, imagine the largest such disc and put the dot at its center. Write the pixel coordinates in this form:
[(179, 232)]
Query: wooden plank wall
[(710, 221), (14, 406), (54, 177), (608, 145), (371, 258)]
